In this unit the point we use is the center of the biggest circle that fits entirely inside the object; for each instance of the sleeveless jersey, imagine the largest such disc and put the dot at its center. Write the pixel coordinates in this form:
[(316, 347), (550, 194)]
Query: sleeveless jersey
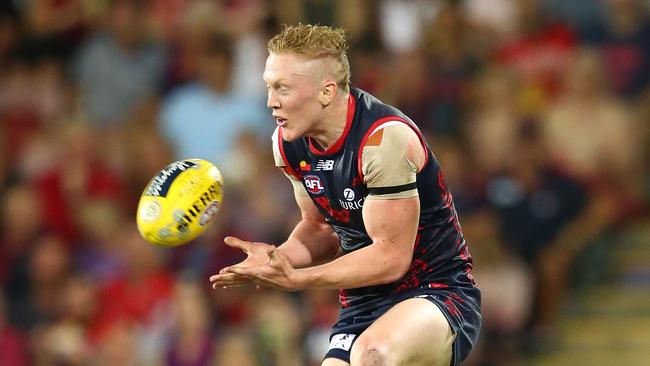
[(334, 181)]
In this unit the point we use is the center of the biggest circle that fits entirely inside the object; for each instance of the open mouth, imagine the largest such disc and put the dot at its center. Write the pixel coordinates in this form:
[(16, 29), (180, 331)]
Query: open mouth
[(280, 121)]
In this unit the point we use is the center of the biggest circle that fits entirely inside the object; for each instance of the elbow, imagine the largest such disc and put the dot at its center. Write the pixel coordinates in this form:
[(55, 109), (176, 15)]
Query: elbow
[(397, 271)]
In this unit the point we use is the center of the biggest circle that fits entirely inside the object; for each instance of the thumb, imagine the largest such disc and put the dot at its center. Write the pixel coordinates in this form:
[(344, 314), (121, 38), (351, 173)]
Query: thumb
[(278, 260), (234, 242)]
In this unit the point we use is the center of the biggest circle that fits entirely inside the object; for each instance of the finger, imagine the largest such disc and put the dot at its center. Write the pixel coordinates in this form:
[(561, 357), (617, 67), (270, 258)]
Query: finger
[(234, 242), (227, 269), (244, 271), (232, 282), (225, 286), (226, 277)]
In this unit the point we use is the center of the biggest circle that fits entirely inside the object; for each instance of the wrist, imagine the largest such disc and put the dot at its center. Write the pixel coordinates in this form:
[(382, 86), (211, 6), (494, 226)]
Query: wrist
[(304, 278)]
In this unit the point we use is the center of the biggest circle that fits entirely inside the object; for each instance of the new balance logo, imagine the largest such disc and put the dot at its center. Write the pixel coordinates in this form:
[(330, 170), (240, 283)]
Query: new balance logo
[(324, 165)]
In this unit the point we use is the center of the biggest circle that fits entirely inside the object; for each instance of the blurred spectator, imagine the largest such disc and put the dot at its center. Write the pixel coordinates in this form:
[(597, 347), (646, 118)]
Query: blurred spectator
[(624, 40), (77, 175), (21, 113), (591, 133), (64, 341), (119, 68), (140, 297), (410, 69), (97, 254), (454, 48), (203, 119), (494, 16), (495, 120), (55, 27), (533, 200), (537, 205), (402, 22), (246, 23), (119, 346), (13, 342), (278, 329), (538, 53), (9, 29), (32, 286), (5, 163), (235, 348), (592, 136), (21, 226), (195, 25), (506, 289), (192, 342)]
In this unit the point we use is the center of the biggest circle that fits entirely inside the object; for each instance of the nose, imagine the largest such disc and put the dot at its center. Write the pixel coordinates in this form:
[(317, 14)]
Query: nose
[(272, 100)]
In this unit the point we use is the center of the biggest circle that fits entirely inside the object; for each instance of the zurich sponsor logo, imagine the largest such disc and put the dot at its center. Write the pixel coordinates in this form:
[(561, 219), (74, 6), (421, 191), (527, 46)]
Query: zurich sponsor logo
[(313, 184), (351, 202)]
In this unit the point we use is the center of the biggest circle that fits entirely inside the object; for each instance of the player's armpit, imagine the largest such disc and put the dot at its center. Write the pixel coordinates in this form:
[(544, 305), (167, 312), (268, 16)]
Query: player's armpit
[(391, 159)]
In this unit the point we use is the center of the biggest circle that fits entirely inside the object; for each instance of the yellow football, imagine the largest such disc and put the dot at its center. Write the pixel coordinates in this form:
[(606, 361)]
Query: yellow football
[(179, 202)]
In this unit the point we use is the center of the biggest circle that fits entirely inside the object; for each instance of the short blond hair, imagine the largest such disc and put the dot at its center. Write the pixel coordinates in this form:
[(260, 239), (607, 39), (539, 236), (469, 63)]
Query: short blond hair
[(315, 42)]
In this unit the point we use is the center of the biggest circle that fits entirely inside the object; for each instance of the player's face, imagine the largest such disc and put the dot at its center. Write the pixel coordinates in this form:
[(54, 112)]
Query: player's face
[(293, 94)]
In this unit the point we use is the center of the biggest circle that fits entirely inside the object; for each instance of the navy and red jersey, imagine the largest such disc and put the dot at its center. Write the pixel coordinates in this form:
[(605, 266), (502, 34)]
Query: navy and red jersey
[(335, 182)]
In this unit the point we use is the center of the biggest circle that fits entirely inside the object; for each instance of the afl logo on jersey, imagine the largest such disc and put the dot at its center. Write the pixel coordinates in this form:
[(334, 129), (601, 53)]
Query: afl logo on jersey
[(313, 184)]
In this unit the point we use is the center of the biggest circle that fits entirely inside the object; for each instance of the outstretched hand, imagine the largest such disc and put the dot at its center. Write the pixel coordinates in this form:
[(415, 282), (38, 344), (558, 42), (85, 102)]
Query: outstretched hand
[(265, 266), (256, 254)]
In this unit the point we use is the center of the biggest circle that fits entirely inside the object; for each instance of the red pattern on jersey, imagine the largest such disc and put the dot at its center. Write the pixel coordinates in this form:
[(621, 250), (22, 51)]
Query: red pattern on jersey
[(343, 298), (412, 278), (451, 307), (448, 202), (341, 215)]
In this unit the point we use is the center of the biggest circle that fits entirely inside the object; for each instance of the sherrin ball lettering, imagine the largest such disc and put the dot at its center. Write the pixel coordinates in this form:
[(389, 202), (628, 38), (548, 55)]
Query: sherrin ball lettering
[(179, 202)]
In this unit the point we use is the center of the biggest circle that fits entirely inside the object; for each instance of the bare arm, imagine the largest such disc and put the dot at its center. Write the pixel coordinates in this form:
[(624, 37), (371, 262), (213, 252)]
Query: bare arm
[(312, 241), (392, 225)]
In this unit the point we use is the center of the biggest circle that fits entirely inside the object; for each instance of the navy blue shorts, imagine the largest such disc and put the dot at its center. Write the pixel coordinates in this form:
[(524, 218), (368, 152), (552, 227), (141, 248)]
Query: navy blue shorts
[(461, 307)]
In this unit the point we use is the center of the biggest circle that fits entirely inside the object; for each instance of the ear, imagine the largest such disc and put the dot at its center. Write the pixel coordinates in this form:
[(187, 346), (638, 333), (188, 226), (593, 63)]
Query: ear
[(328, 92)]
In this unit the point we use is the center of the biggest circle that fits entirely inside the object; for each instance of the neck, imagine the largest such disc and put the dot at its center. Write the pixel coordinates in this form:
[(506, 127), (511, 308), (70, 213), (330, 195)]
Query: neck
[(331, 129)]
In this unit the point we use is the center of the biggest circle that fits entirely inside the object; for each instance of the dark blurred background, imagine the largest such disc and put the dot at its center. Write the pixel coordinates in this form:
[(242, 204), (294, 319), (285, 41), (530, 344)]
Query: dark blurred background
[(539, 111)]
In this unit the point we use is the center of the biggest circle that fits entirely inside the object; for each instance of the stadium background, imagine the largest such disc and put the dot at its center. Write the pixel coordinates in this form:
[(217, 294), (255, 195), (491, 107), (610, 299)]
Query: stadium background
[(539, 111)]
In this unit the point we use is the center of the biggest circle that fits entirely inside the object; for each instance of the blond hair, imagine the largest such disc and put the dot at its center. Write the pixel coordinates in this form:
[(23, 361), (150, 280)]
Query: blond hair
[(315, 42)]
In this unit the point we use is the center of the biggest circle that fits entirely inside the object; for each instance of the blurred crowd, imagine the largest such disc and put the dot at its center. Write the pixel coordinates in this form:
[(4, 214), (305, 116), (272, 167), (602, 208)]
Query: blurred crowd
[(539, 111)]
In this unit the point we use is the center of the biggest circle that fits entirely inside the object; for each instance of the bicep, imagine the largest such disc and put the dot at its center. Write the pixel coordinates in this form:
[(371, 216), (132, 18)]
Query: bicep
[(392, 222)]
